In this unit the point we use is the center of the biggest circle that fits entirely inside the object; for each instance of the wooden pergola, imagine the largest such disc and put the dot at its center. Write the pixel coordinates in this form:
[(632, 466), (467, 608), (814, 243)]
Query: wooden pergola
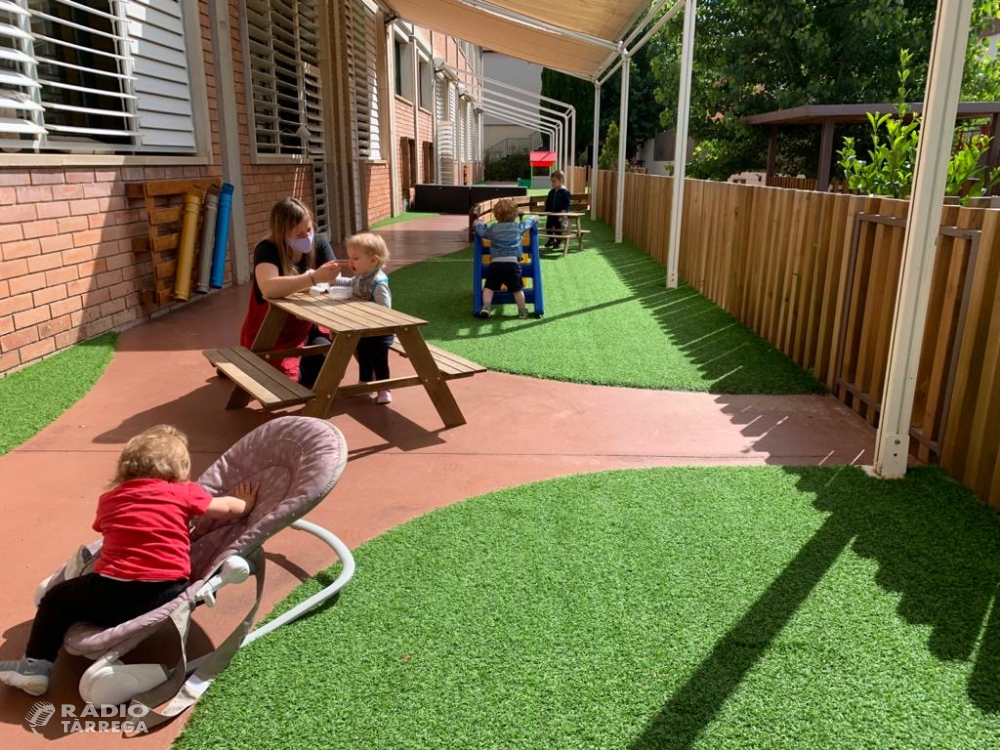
[(828, 116)]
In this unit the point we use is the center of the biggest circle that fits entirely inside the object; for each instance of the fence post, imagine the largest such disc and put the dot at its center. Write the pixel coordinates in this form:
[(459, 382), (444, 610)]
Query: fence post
[(944, 79)]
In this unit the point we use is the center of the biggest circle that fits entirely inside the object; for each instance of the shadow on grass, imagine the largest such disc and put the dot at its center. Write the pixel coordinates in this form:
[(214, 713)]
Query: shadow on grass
[(937, 549)]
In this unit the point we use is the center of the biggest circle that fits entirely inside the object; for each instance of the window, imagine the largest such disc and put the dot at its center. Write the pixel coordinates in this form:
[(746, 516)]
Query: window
[(101, 76), (404, 68), (363, 74), (426, 85), (284, 64)]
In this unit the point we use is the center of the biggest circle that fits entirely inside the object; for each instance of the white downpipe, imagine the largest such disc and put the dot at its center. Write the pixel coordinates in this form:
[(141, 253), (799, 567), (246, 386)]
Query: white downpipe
[(622, 150), (594, 151), (680, 142), (941, 94)]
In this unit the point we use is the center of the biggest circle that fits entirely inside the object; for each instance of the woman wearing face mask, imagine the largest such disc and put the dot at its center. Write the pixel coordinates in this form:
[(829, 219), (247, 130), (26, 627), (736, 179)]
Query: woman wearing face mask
[(290, 260)]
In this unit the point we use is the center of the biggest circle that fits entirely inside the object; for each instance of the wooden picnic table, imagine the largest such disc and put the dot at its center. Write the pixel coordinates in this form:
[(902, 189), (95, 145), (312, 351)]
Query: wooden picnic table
[(348, 322), (576, 231)]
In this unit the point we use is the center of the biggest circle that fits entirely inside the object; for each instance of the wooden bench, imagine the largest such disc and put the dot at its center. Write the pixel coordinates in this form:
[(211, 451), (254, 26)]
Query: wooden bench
[(578, 203), (451, 365), (271, 387)]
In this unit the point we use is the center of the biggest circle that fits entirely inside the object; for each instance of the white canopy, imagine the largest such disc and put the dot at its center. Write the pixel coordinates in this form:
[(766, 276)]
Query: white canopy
[(574, 36)]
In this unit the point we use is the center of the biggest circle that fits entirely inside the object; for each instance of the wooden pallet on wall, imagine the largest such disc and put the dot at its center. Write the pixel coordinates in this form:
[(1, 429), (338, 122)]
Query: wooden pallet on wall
[(164, 201)]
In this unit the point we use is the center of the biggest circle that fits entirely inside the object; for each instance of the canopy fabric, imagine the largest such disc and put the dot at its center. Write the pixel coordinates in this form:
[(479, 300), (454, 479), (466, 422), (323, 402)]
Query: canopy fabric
[(542, 158), (608, 20)]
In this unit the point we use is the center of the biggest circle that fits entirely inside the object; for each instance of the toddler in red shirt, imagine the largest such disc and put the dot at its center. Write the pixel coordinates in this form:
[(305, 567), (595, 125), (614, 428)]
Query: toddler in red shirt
[(145, 556)]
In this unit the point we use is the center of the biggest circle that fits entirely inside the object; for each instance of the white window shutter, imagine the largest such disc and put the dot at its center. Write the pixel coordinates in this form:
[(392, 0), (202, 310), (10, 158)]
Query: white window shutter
[(162, 76), (20, 100)]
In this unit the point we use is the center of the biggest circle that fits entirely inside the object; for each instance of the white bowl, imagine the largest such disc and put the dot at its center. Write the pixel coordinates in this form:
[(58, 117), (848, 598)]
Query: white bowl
[(340, 292)]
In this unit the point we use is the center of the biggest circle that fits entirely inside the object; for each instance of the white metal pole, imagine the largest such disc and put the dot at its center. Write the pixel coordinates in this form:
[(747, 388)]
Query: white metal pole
[(572, 134), (622, 149), (594, 151), (937, 127), (680, 142)]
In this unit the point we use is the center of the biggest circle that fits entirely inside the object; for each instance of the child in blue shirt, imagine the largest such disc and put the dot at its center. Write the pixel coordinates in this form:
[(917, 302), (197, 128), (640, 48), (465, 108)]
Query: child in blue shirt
[(557, 201), (505, 254)]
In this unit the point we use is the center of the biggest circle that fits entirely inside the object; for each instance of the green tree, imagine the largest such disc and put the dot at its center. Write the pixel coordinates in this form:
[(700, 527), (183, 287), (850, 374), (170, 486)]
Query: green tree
[(644, 111), (753, 56), (609, 148)]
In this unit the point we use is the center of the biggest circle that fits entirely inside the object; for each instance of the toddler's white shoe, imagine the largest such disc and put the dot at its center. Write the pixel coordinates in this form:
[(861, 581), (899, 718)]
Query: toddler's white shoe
[(384, 397)]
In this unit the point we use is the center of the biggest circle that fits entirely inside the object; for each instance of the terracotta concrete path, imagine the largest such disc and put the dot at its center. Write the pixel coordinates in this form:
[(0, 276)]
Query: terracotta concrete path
[(402, 462)]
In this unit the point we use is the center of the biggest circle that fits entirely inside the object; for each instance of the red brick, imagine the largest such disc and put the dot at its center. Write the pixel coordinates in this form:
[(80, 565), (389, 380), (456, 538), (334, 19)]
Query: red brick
[(68, 338), (17, 213), (11, 305), (80, 176), (113, 306), (51, 328), (22, 249), (11, 268), (10, 232), (14, 178), (33, 194), (44, 262), (108, 278), (73, 224), (88, 237), (101, 220), (18, 340), (122, 290), (8, 195), (102, 190), (56, 242), (32, 317), (52, 210), (77, 255), (106, 175), (6, 325), (67, 192), (34, 351), (55, 177), (66, 306), (61, 275), (50, 294), (91, 268), (83, 207), (40, 228), (28, 283)]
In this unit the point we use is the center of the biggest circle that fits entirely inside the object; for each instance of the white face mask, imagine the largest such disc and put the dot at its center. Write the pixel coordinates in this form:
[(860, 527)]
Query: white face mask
[(301, 245)]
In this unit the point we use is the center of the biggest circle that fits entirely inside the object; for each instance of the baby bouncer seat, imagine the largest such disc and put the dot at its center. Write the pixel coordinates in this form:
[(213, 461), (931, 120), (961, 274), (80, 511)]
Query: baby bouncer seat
[(296, 461)]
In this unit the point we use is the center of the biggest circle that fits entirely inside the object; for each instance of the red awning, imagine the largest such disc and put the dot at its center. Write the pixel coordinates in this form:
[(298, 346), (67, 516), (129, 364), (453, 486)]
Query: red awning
[(542, 158)]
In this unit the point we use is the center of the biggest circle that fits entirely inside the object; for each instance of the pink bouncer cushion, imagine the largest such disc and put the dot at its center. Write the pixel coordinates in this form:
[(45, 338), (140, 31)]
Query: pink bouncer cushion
[(295, 460)]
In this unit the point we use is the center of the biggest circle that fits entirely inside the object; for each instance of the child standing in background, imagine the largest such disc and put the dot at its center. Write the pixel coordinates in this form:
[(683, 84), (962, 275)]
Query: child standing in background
[(557, 201), (369, 255), (145, 558), (505, 254)]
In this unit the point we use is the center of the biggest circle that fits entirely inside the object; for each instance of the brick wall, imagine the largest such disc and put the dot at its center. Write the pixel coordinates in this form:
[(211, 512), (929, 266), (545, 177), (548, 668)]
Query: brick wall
[(377, 189), (67, 269)]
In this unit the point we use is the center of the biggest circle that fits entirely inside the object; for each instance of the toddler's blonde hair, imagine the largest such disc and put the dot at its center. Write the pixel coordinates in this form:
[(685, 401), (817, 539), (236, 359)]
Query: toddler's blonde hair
[(371, 244), (505, 209), (161, 452)]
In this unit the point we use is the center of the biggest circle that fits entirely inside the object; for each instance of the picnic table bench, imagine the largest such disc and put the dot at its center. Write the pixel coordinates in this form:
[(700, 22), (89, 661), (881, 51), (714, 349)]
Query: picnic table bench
[(254, 377)]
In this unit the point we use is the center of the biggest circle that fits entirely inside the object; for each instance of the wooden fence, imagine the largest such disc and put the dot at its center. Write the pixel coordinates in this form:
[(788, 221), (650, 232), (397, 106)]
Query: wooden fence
[(816, 275)]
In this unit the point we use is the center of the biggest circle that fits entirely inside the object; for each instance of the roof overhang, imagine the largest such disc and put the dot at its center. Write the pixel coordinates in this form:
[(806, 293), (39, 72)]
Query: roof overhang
[(816, 114), (573, 36)]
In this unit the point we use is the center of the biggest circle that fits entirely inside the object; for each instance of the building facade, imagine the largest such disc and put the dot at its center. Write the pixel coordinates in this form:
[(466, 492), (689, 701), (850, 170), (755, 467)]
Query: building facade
[(334, 102)]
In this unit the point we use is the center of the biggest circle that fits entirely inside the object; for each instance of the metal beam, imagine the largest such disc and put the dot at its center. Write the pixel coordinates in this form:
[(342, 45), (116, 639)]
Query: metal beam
[(614, 57), (603, 75), (559, 125), (622, 149), (594, 172), (944, 80), (680, 143)]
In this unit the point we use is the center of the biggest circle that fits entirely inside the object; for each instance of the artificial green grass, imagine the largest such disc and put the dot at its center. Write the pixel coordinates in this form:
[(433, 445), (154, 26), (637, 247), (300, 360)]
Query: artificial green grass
[(405, 216), (716, 609), (609, 320), (33, 397)]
